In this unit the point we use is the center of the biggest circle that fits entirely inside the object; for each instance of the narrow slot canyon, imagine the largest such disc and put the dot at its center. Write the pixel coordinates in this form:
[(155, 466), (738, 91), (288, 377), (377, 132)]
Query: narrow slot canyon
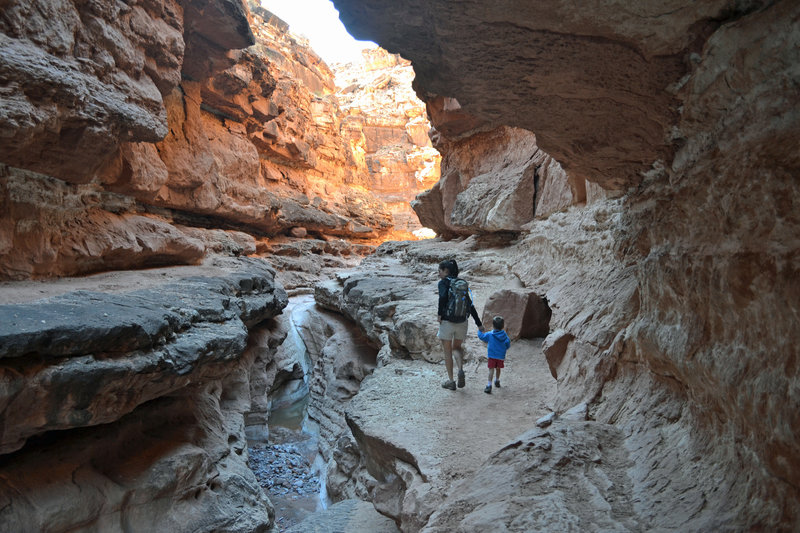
[(221, 253)]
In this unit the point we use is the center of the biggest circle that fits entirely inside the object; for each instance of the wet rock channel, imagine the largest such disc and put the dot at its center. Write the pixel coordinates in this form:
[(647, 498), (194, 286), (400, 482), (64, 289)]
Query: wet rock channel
[(288, 466)]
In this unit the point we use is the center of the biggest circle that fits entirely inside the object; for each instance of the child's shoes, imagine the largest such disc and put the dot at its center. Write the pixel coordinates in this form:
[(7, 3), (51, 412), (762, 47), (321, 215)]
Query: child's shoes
[(488, 389)]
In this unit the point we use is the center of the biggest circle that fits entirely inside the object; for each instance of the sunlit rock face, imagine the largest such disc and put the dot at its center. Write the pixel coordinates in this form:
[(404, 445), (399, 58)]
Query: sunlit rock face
[(387, 129), (256, 142), (680, 329), (169, 107)]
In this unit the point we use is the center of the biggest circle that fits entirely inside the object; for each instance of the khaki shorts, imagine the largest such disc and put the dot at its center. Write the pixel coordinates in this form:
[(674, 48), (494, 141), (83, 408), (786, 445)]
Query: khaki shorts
[(449, 331)]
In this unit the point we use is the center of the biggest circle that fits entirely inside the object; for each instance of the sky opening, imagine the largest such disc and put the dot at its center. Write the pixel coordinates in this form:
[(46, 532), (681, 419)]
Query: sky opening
[(318, 21)]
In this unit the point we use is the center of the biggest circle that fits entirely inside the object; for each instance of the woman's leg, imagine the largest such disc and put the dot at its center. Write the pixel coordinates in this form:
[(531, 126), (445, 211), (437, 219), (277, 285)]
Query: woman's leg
[(447, 348), (458, 353)]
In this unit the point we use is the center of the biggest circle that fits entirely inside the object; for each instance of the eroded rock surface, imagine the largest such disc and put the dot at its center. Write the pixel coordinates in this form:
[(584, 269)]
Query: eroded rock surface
[(153, 123), (131, 401), (678, 326), (552, 68), (495, 181)]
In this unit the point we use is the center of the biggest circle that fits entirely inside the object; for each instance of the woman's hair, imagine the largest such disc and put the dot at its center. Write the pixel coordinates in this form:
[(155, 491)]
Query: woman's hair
[(498, 322), (451, 266)]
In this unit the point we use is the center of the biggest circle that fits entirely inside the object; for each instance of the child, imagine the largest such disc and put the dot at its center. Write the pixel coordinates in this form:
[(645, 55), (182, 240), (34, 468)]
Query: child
[(498, 342)]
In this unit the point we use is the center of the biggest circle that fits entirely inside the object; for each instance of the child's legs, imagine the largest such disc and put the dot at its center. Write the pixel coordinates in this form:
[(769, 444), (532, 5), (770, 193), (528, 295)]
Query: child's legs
[(498, 373), (491, 373)]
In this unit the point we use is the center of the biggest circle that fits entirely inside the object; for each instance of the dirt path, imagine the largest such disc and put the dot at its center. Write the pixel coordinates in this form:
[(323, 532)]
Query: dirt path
[(404, 412), (449, 434), (476, 424)]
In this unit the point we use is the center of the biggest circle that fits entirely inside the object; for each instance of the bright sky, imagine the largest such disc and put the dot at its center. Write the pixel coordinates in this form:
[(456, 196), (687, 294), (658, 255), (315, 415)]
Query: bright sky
[(319, 22)]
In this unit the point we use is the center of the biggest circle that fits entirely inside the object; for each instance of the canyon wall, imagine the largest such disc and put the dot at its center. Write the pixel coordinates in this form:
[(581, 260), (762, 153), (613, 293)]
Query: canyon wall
[(123, 402), (152, 125), (673, 290), (139, 135), (635, 165), (388, 131)]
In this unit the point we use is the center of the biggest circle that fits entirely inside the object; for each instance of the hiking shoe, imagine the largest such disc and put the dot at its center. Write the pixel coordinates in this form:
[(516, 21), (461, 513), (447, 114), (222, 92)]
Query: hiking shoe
[(497, 383), (488, 389), (449, 385), (461, 379)]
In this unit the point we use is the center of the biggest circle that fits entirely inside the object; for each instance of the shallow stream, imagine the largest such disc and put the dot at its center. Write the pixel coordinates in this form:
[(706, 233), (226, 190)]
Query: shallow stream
[(289, 466)]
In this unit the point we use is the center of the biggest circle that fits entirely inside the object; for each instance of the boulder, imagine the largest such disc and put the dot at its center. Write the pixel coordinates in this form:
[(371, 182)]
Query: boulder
[(495, 181), (526, 314)]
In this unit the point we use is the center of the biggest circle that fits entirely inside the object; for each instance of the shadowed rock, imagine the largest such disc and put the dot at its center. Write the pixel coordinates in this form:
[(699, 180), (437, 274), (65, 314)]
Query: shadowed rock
[(525, 313)]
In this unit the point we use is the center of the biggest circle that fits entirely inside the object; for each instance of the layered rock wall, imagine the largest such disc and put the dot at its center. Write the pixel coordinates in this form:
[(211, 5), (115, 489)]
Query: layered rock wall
[(167, 105), (387, 128), (126, 406)]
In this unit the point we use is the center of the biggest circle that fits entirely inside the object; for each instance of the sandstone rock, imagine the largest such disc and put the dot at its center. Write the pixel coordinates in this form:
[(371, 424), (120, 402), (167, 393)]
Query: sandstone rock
[(340, 359), (51, 229), (525, 313), (555, 348), (530, 483), (670, 293), (493, 182), (609, 122), (169, 336), (158, 104), (264, 348), (147, 389), (387, 129), (222, 242), (84, 79), (184, 453)]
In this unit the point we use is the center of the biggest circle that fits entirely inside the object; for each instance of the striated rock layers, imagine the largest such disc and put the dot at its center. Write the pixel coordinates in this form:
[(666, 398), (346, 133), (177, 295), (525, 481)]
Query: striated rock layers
[(123, 409), (160, 114), (387, 128), (674, 306)]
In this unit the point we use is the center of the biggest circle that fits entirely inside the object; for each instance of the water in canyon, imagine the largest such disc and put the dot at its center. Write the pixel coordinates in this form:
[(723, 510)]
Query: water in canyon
[(289, 467)]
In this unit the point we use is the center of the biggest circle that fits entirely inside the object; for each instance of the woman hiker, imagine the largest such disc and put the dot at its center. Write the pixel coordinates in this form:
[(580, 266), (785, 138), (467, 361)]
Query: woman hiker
[(455, 306)]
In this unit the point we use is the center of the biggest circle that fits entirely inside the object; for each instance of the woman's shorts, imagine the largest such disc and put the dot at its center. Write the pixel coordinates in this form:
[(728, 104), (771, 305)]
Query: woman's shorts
[(496, 363), (449, 331)]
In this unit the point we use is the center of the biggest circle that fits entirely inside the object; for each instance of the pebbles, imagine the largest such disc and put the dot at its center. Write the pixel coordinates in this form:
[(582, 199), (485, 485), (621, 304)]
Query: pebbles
[(281, 469)]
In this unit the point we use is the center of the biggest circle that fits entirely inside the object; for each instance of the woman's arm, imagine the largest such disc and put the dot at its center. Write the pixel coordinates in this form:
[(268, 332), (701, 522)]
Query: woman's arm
[(474, 313), (444, 284)]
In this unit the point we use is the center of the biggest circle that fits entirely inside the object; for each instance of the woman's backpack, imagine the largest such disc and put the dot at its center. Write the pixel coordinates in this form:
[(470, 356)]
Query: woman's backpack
[(458, 300)]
